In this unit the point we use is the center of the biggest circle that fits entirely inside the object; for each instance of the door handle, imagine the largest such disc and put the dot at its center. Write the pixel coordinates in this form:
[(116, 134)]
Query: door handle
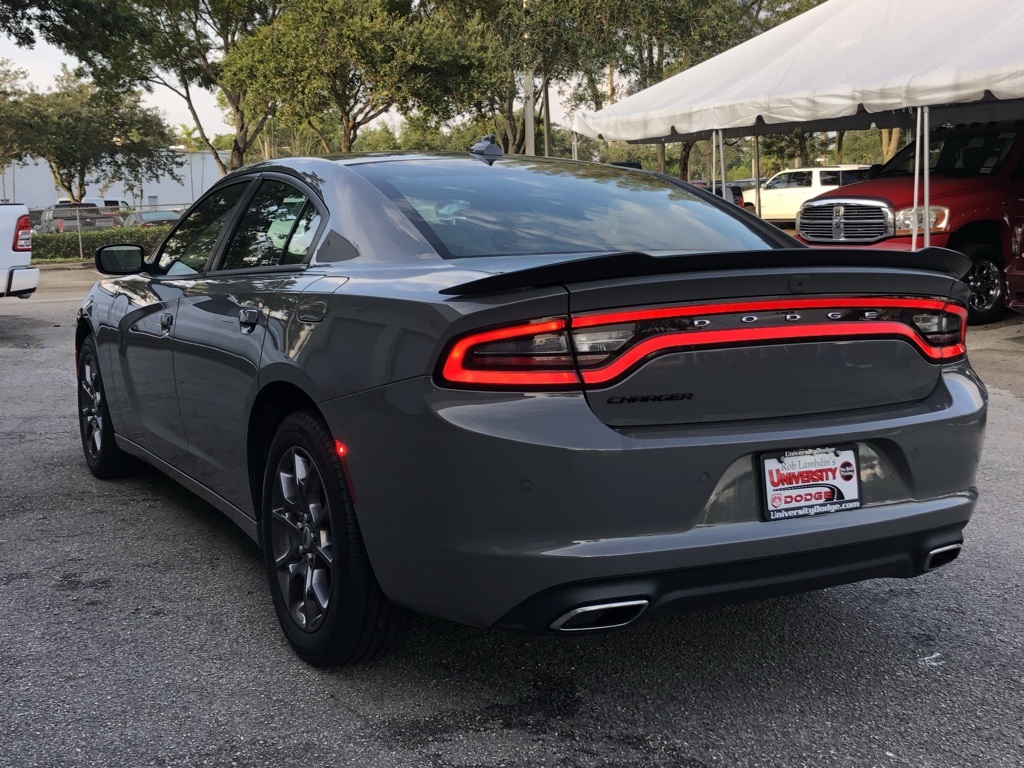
[(248, 318), (166, 321)]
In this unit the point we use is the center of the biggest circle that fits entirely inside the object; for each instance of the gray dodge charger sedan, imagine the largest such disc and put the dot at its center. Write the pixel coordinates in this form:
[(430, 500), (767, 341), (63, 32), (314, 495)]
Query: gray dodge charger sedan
[(531, 394)]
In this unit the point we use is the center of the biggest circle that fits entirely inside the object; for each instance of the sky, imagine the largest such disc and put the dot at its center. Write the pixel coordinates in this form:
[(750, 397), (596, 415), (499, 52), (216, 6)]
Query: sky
[(43, 64)]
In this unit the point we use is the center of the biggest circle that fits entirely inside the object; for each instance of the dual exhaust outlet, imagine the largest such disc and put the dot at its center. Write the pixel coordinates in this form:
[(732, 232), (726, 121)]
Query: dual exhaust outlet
[(612, 615)]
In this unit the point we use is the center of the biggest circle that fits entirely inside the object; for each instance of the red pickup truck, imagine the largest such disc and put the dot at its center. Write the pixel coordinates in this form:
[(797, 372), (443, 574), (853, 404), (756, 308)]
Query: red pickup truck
[(976, 207)]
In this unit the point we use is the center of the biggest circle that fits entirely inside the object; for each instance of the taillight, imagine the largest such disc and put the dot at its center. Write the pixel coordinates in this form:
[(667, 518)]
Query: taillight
[(532, 355), (601, 348), (610, 345), (23, 234)]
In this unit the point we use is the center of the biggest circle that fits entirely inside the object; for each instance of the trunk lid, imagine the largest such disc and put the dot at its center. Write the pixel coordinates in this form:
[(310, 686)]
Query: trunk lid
[(759, 343)]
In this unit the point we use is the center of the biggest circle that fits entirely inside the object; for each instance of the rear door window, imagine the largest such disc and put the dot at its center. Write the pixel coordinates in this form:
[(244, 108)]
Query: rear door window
[(829, 178), (790, 180), (276, 229)]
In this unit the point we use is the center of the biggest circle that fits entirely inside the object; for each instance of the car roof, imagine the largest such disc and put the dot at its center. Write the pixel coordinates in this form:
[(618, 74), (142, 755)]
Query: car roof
[(844, 167)]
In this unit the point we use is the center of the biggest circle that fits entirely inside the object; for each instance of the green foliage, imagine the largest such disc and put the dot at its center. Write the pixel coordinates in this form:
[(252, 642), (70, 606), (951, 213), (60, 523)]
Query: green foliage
[(12, 112), (90, 136), (356, 59), (61, 246), (378, 138)]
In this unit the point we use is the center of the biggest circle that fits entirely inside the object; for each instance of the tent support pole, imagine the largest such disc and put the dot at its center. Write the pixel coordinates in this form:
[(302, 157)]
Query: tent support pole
[(927, 179), (757, 171), (714, 160), (721, 156), (917, 172)]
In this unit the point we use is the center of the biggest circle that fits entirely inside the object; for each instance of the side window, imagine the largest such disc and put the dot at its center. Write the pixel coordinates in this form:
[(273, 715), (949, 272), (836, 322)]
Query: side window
[(277, 228), (829, 178), (779, 182), (302, 236), (190, 245), (852, 177), (802, 179)]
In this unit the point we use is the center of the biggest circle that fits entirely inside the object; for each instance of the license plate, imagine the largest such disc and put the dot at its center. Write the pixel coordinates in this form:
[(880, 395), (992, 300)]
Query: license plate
[(812, 481)]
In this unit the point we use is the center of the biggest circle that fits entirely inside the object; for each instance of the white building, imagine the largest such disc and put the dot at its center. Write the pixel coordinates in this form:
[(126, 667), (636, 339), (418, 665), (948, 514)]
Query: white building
[(32, 184)]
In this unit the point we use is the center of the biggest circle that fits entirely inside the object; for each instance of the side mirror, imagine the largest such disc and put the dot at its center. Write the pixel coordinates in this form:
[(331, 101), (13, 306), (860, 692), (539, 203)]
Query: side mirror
[(873, 171), (120, 259)]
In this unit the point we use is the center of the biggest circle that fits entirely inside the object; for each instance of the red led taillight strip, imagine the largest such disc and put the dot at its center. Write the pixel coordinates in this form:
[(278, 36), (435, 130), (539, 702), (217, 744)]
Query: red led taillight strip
[(734, 336), (614, 318), (455, 371)]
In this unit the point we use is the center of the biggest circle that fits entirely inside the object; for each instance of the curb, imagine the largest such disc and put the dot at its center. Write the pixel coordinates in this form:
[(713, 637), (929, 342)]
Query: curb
[(45, 267)]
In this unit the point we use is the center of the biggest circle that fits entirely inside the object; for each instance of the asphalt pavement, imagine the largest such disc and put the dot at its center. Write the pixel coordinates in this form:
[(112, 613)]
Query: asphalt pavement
[(136, 630)]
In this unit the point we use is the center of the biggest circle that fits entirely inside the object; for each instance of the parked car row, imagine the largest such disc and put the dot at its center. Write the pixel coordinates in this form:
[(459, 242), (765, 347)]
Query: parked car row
[(72, 217)]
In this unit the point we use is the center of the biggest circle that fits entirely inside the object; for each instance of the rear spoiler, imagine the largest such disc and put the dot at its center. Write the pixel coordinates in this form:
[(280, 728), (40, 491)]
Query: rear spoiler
[(636, 264)]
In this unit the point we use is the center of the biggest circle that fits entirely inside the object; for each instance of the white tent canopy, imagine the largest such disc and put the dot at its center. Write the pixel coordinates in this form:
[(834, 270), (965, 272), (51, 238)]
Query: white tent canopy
[(845, 64)]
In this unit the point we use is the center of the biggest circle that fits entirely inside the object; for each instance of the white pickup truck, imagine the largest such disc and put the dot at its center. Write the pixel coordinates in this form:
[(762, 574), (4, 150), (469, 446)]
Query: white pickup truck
[(17, 278)]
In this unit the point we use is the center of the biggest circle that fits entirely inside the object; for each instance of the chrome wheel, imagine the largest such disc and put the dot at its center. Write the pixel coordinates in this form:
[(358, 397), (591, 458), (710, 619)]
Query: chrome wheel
[(302, 542), (985, 280), (90, 406)]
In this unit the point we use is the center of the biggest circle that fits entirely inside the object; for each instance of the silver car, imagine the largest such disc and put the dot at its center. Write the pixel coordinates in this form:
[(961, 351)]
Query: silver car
[(531, 394)]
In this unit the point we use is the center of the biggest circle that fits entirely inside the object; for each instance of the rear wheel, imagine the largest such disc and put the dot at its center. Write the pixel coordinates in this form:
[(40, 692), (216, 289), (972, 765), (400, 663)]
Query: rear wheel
[(330, 606), (988, 287), (104, 458)]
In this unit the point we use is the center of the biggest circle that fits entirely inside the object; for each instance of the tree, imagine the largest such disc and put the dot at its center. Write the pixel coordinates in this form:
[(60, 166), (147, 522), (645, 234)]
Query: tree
[(12, 114), (176, 44), (356, 60), (88, 135)]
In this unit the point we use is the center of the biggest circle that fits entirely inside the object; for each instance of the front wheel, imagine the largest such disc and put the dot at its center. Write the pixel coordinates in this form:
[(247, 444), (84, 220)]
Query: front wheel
[(330, 606), (988, 286), (104, 458)]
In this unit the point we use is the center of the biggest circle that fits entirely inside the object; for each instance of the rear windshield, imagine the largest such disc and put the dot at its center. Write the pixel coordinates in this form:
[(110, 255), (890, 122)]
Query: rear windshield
[(467, 208), (957, 154)]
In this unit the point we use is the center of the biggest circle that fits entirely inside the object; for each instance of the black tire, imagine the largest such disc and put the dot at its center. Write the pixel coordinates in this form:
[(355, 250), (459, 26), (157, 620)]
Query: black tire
[(104, 458), (987, 302), (330, 606)]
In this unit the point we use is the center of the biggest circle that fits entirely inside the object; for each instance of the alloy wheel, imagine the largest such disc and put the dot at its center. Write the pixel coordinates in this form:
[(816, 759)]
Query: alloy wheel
[(302, 540), (90, 406), (985, 281)]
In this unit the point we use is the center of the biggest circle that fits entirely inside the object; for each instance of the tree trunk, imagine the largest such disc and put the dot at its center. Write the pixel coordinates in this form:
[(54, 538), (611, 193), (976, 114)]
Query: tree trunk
[(840, 135), (546, 88), (659, 153), (347, 135), (803, 158), (684, 160), (890, 142)]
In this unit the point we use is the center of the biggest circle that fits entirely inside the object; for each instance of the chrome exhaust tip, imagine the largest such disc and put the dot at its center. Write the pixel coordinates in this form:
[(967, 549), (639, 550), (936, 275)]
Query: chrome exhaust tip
[(601, 616), (940, 557)]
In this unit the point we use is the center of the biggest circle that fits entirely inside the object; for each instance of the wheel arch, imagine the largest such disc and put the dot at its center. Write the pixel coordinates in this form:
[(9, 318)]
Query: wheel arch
[(991, 232), (272, 404), (83, 329)]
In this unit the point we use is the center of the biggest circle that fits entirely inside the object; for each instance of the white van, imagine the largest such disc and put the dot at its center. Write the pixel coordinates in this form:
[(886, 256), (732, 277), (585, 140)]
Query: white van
[(784, 193)]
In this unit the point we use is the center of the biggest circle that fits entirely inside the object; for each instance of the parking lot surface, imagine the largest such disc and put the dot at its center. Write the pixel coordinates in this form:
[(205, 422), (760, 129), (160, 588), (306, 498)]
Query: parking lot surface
[(137, 630)]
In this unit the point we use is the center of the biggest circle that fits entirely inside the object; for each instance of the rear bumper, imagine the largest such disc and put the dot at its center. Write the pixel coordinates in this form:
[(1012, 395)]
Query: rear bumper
[(19, 281), (1015, 285), (706, 586), (474, 505)]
